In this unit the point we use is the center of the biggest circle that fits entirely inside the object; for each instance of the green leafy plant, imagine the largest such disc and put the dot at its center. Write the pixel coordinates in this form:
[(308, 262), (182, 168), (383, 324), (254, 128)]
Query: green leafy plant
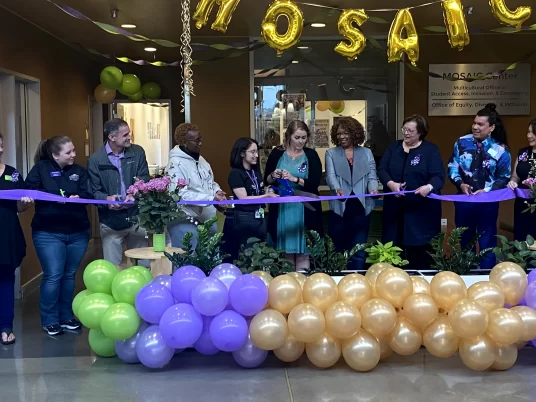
[(519, 252), (257, 256), (207, 253), (455, 258), (324, 257), (387, 253)]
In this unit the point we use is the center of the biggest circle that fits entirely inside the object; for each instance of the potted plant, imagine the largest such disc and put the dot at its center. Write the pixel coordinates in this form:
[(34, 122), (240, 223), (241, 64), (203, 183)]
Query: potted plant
[(520, 252), (257, 256), (157, 207), (324, 257), (387, 253)]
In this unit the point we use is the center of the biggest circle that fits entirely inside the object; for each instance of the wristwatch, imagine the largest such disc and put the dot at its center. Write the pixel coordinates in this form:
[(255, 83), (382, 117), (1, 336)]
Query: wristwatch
[(431, 187)]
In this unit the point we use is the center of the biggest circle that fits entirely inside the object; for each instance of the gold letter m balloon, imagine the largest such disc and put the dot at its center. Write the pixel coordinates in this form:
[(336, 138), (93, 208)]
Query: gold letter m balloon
[(396, 46), (223, 18), (514, 18), (290, 38), (355, 36)]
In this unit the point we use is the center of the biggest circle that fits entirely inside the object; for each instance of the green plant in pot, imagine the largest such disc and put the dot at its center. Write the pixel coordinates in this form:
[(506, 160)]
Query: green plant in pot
[(206, 255), (324, 257), (519, 252), (386, 253), (257, 256), (455, 258)]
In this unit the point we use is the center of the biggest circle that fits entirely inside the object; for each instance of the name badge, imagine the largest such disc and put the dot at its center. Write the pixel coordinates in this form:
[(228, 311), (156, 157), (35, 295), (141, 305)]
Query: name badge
[(259, 214), (8, 178), (55, 174)]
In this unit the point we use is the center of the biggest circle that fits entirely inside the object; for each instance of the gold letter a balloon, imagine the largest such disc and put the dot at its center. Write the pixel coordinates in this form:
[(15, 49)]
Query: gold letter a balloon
[(396, 46)]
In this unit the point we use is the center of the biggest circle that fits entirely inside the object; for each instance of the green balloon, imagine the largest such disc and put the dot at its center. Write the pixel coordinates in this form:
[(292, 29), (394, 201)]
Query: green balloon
[(100, 344), (120, 321), (78, 300), (136, 97), (111, 77), (151, 90), (99, 275), (126, 285), (92, 309), (130, 85), (145, 272)]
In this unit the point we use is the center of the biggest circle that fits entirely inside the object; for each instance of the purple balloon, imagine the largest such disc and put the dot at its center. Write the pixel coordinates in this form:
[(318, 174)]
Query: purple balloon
[(530, 295), (183, 281), (163, 280), (181, 326), (532, 276), (204, 344), (227, 273), (126, 350), (523, 302), (152, 349), (229, 331), (210, 297), (152, 301), (249, 355), (248, 295)]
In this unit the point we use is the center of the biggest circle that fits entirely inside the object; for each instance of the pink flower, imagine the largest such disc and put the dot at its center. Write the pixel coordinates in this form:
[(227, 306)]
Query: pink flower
[(530, 181), (132, 190), (182, 183)]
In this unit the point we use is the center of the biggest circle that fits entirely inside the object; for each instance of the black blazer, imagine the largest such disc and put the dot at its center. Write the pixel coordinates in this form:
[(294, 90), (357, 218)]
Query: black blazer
[(313, 219)]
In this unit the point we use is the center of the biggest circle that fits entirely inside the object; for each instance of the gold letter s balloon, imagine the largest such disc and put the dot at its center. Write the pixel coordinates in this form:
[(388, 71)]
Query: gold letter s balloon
[(455, 23), (355, 36), (508, 17), (396, 46), (223, 18), (295, 25)]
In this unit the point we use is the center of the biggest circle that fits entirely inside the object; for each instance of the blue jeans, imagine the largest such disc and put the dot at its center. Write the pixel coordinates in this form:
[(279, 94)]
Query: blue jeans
[(60, 255), (177, 231)]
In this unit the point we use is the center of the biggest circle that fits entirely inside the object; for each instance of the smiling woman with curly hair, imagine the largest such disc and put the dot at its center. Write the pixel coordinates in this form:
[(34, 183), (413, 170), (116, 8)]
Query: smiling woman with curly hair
[(352, 127)]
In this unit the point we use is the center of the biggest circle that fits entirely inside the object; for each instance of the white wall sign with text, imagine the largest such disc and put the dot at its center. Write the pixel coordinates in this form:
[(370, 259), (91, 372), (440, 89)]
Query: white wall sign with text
[(510, 91)]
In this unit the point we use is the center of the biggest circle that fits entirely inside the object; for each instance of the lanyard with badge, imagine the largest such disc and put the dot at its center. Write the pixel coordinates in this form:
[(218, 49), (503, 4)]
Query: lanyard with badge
[(259, 213)]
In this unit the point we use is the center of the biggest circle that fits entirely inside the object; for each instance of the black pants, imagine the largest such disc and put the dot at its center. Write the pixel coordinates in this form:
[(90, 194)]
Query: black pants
[(7, 296), (240, 227), (417, 257)]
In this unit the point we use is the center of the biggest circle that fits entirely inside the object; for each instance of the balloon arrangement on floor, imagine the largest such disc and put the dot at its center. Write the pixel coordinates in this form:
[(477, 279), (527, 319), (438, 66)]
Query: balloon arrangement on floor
[(112, 80)]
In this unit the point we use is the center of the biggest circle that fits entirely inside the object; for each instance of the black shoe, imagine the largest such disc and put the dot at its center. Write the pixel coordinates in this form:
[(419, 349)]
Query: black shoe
[(72, 324), (53, 330)]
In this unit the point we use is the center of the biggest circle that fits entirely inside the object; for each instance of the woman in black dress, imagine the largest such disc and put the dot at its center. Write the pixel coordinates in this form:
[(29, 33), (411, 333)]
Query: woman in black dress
[(12, 246), (525, 167)]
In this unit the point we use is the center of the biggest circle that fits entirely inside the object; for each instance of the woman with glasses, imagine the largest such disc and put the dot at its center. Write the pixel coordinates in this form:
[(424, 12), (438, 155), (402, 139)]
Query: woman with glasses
[(350, 170), (411, 220)]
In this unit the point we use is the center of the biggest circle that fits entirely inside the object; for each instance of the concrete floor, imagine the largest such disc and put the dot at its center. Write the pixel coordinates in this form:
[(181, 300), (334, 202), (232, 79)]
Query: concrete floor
[(42, 368)]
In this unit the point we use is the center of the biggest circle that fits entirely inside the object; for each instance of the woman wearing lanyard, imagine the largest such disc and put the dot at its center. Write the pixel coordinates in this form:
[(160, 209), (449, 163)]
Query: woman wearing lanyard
[(245, 180)]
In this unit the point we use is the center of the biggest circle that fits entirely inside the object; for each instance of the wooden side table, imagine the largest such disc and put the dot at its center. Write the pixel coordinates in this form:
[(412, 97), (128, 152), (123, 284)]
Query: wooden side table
[(160, 265)]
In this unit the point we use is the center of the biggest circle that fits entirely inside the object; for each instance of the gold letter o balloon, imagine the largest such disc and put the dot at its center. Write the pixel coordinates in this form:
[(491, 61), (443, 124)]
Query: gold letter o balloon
[(282, 42)]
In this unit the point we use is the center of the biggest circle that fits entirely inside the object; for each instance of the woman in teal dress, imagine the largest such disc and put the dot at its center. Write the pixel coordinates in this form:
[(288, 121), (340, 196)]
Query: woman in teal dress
[(294, 165)]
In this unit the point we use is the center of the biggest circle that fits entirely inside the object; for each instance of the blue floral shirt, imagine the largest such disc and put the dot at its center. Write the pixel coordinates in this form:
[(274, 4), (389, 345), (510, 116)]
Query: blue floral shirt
[(483, 165)]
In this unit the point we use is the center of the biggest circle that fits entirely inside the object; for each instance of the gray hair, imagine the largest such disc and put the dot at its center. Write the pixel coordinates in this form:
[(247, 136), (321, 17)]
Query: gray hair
[(111, 127)]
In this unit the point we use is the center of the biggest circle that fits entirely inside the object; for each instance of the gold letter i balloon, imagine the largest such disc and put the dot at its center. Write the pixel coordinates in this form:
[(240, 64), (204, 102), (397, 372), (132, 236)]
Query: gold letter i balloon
[(295, 25), (347, 29), (508, 17), (455, 23), (396, 46), (223, 18)]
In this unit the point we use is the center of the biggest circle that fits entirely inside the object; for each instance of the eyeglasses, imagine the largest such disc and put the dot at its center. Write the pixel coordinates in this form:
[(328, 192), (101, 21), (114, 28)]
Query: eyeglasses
[(196, 141), (408, 131)]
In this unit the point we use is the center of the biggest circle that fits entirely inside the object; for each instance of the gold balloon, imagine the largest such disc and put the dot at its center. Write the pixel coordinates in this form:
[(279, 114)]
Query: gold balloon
[(478, 353), (324, 352), (104, 95), (468, 319), (420, 285), (508, 17), (320, 290), (269, 32), (396, 45), (528, 317), (395, 286), (521, 344), (373, 272), (505, 357), (284, 293), (455, 23), (405, 339), (342, 320), (378, 317), (488, 294), (290, 351), (421, 310), (306, 323), (347, 29), (268, 330), (301, 278), (322, 106), (362, 351), (505, 326), (512, 280), (223, 18), (265, 276), (385, 349), (355, 289), (447, 288), (439, 339)]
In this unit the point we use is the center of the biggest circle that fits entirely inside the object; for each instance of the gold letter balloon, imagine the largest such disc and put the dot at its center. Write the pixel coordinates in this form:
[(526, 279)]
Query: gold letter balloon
[(347, 29), (455, 23), (508, 17), (223, 18), (396, 45), (269, 32)]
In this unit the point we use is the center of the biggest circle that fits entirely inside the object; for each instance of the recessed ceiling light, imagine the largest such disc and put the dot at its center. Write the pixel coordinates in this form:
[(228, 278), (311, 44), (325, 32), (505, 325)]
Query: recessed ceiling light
[(295, 61), (150, 49), (303, 47), (128, 26), (318, 25)]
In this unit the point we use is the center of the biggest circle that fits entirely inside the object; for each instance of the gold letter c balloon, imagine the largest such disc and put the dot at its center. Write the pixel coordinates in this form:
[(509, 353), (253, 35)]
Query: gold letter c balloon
[(355, 36), (269, 32), (396, 46), (223, 18), (508, 17), (455, 23)]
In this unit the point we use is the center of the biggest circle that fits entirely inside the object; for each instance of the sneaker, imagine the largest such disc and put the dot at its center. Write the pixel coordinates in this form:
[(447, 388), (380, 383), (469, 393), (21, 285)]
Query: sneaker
[(72, 324), (53, 330)]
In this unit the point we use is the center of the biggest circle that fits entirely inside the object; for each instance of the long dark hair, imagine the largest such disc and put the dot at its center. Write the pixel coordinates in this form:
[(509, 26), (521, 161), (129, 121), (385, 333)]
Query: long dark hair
[(499, 134), (532, 125), (293, 127), (47, 148), (240, 147)]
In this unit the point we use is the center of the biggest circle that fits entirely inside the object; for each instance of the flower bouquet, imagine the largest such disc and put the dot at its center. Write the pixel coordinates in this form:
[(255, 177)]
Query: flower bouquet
[(531, 184), (158, 206)]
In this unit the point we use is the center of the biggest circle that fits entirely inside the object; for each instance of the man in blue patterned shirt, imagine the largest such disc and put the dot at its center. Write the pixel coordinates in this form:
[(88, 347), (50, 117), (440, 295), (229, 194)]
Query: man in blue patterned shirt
[(481, 162)]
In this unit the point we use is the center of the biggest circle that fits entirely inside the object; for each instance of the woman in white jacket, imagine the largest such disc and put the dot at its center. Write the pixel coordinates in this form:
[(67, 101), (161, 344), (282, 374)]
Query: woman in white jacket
[(185, 162)]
